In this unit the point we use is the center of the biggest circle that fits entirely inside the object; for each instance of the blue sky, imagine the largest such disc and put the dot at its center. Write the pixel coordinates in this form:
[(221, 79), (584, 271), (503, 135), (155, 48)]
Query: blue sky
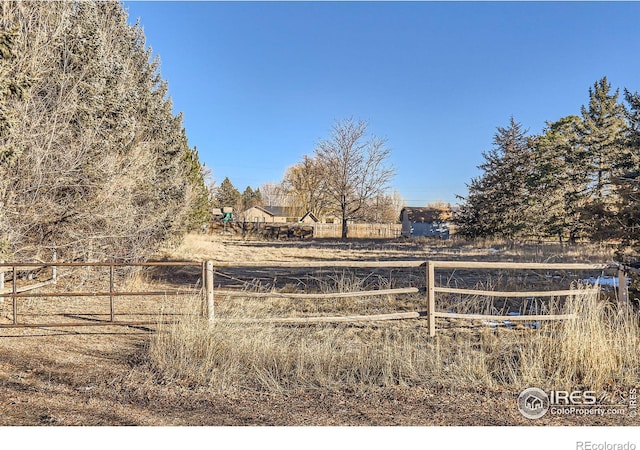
[(260, 83)]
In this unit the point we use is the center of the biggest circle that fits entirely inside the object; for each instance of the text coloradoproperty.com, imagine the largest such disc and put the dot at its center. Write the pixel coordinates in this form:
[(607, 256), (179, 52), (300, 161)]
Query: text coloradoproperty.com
[(591, 411)]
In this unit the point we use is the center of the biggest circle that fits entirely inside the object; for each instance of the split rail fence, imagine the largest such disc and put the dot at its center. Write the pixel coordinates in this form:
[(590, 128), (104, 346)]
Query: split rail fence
[(208, 291), (431, 314)]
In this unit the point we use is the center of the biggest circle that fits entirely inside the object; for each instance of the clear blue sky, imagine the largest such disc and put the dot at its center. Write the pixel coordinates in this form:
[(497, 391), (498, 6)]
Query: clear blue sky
[(260, 83)]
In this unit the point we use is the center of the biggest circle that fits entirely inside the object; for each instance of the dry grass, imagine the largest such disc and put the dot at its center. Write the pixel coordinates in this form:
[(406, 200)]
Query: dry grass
[(234, 249), (598, 350)]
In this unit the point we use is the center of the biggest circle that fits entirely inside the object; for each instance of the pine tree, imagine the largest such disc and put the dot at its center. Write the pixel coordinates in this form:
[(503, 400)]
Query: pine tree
[(250, 198), (497, 202), (105, 170), (602, 132), (200, 212), (627, 184), (227, 195), (11, 88), (559, 181)]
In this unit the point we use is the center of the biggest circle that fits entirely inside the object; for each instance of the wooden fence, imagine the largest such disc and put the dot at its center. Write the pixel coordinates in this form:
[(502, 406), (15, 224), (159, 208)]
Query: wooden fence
[(295, 230), (358, 230), (430, 291), (209, 292)]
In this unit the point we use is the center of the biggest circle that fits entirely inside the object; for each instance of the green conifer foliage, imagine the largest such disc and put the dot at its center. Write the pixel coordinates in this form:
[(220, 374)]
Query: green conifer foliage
[(578, 179), (559, 182), (105, 170), (627, 183), (602, 132), (497, 204), (227, 195)]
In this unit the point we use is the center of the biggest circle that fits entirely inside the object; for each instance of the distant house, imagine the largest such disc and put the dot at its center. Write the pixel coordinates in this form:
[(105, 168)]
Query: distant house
[(426, 221), (309, 218), (277, 214)]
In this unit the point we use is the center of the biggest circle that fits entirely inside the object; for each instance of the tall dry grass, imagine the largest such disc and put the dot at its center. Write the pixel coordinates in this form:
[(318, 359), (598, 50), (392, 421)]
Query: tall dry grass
[(598, 350)]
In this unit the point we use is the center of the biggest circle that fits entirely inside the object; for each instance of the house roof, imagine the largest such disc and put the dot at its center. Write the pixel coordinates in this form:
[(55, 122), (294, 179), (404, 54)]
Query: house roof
[(426, 214), (310, 215), (277, 211)]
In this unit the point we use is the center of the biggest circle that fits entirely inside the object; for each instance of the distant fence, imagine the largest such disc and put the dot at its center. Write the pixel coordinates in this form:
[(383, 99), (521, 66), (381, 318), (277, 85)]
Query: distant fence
[(294, 230), (18, 291), (358, 230)]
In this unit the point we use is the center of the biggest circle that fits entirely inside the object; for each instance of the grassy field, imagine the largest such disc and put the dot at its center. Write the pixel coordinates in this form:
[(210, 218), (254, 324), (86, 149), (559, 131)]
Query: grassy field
[(236, 372)]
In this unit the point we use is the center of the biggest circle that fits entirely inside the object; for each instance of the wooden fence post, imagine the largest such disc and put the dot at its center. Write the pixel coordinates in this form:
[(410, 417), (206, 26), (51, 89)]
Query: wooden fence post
[(54, 269), (209, 290), (203, 290), (431, 298), (623, 290), (111, 285), (13, 296)]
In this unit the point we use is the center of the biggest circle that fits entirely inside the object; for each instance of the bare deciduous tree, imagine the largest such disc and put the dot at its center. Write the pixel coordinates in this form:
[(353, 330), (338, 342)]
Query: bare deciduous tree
[(355, 169), (305, 183), (384, 208), (275, 194)]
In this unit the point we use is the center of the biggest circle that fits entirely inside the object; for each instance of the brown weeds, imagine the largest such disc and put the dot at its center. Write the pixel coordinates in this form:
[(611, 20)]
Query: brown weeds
[(595, 350)]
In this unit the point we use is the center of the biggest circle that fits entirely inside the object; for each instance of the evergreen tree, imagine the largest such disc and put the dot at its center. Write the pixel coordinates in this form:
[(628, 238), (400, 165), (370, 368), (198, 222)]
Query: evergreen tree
[(11, 89), (104, 169), (579, 178), (559, 181), (627, 184), (227, 195), (250, 198), (602, 133), (497, 203), (200, 211)]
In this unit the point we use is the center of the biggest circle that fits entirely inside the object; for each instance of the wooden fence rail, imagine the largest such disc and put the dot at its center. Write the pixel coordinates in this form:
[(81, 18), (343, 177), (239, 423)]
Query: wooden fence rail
[(355, 294), (478, 265), (208, 292), (431, 289)]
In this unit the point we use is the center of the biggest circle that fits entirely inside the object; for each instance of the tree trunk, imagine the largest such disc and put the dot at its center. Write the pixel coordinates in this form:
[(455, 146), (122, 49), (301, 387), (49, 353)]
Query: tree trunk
[(560, 239), (343, 210), (344, 228)]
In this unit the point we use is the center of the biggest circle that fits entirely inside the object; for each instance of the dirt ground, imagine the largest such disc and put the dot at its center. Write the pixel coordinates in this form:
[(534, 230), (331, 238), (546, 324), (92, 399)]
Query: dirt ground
[(93, 377), (97, 376)]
